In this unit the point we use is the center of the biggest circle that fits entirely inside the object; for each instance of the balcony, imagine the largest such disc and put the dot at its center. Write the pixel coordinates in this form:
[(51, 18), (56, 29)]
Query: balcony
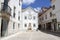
[(5, 10)]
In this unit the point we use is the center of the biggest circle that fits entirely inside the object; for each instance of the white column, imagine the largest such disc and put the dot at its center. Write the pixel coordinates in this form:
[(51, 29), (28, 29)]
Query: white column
[(52, 24), (45, 26), (57, 26), (42, 26)]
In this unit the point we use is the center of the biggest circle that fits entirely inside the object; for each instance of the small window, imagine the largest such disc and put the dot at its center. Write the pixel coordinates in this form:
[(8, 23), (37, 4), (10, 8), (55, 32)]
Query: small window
[(45, 16), (50, 14), (18, 17), (14, 25), (19, 2), (25, 25), (14, 15), (18, 25), (40, 19), (59, 26), (53, 7), (34, 25), (34, 17), (25, 17), (14, 12)]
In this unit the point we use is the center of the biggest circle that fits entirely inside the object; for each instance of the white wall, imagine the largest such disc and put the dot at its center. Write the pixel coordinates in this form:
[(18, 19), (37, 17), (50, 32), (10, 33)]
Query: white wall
[(1, 1), (44, 17), (32, 21), (57, 9), (15, 3)]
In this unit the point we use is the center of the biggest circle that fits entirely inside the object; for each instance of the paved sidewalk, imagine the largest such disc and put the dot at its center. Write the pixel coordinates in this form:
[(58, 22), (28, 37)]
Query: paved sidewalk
[(35, 35), (11, 36)]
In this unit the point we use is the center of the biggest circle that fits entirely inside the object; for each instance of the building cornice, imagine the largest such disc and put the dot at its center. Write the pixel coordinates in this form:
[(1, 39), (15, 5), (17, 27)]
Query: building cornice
[(40, 14), (29, 8)]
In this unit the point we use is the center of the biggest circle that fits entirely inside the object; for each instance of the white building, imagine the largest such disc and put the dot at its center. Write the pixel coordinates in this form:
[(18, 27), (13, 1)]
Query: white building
[(10, 16), (29, 19), (56, 10)]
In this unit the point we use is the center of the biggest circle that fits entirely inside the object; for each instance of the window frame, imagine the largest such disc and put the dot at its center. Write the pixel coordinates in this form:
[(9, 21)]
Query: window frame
[(13, 25), (34, 25), (14, 12), (25, 25), (25, 17)]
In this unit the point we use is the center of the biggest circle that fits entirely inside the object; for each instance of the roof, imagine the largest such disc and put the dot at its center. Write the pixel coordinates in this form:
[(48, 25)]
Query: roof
[(29, 8), (43, 11)]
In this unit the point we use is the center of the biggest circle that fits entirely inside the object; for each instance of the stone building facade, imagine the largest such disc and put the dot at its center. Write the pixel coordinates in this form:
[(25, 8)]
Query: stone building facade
[(29, 19), (45, 19), (56, 10), (51, 18), (9, 16)]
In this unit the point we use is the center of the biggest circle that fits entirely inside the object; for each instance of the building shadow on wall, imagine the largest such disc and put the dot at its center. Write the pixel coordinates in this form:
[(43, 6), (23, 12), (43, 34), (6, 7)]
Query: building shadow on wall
[(4, 27)]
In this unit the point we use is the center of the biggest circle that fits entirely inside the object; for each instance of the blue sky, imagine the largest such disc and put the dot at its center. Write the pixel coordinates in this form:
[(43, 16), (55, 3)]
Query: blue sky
[(36, 4)]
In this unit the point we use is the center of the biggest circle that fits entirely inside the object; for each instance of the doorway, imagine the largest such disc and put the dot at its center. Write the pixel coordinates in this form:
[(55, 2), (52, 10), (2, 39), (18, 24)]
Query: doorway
[(54, 26), (48, 26), (29, 26), (39, 27)]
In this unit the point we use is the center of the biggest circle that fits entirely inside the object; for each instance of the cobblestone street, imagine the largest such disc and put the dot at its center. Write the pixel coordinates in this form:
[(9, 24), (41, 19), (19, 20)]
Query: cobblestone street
[(35, 35)]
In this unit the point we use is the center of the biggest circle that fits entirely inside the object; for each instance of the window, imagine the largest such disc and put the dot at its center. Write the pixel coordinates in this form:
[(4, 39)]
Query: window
[(59, 26), (34, 25), (19, 15), (40, 19), (19, 2), (45, 16), (14, 15), (34, 17), (25, 17), (53, 7), (14, 12), (18, 25), (50, 14), (14, 25), (25, 25)]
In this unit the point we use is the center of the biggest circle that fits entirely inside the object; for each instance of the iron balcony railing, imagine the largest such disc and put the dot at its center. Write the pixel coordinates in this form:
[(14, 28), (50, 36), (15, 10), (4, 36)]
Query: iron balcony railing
[(5, 8)]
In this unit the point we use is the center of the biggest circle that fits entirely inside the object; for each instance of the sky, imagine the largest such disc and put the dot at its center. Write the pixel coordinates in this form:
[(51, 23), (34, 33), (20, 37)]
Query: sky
[(36, 4)]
